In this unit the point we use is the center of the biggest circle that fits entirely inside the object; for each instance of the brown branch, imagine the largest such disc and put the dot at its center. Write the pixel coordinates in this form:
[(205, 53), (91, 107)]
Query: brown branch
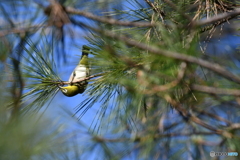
[(224, 16), (209, 27), (215, 21), (17, 87), (221, 17), (195, 119), (161, 88), (89, 15), (175, 55), (139, 138), (87, 78), (152, 5), (234, 126), (156, 10), (211, 115), (57, 14), (21, 30), (214, 90)]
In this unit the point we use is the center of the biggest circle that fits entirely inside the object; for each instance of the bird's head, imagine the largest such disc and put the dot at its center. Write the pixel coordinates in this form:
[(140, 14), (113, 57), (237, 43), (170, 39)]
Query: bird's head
[(84, 58)]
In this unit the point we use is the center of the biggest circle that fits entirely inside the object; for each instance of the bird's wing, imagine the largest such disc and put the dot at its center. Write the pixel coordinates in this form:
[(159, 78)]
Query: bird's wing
[(71, 78), (80, 72), (88, 72)]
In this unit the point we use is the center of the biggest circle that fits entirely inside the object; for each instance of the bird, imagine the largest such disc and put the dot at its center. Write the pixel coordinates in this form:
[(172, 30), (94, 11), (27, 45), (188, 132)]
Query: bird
[(79, 73)]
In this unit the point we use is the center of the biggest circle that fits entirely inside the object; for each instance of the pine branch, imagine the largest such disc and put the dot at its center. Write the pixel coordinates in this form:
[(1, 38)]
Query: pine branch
[(161, 88), (220, 17), (195, 119), (234, 126), (89, 15), (84, 79), (173, 6), (156, 10), (211, 115), (33, 28), (155, 136), (213, 21), (214, 90), (175, 55)]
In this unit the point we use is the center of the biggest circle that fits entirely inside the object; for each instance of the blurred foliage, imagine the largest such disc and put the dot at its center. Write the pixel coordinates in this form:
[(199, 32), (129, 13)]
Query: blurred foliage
[(29, 138), (148, 103)]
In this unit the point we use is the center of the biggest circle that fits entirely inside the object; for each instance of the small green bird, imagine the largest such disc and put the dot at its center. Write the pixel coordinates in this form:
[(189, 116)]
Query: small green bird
[(79, 73)]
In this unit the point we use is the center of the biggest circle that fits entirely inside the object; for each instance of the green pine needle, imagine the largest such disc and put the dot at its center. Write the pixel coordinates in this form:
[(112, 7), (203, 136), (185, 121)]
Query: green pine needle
[(39, 70)]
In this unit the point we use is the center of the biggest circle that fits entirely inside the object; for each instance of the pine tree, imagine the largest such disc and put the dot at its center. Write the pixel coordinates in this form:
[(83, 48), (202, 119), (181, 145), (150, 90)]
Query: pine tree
[(159, 91)]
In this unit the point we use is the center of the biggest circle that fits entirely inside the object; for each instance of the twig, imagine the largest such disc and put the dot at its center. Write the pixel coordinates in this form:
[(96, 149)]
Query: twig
[(214, 90), (234, 126), (195, 119), (161, 88), (224, 16), (21, 30), (155, 136), (214, 21), (211, 115), (156, 10), (71, 10), (87, 78)]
